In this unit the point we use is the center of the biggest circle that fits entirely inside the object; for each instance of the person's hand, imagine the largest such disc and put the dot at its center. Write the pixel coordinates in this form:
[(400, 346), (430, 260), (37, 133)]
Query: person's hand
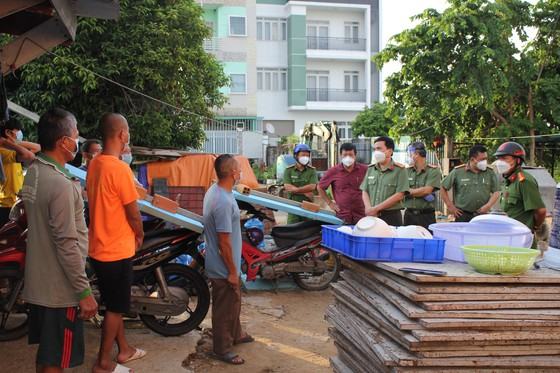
[(372, 211), (334, 206), (233, 279), (138, 240), (290, 188), (88, 307), (310, 196), (483, 210), (455, 211)]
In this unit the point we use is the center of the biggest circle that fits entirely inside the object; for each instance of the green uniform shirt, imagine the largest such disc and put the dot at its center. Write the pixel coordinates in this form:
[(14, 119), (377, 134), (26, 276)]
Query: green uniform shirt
[(381, 184), (298, 178), (428, 176), (521, 197), (471, 190)]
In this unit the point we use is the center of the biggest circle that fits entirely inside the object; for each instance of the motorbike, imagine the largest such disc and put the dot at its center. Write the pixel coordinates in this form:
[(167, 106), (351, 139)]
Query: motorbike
[(169, 298), (291, 250)]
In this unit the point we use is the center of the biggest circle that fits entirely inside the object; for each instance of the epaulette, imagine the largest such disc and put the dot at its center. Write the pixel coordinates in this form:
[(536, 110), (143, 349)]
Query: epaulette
[(290, 166), (310, 166), (433, 166), (521, 176), (460, 166), (371, 165), (399, 165)]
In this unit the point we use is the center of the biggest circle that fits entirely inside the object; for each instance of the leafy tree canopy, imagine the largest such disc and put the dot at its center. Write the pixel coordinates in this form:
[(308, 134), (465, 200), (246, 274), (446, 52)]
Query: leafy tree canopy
[(155, 47), (373, 121)]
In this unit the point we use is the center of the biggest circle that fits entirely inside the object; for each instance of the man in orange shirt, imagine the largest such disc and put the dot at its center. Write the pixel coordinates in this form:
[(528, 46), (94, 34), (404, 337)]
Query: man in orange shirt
[(115, 233)]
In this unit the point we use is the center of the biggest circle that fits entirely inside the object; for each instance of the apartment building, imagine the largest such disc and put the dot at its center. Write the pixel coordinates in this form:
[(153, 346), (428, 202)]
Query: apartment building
[(291, 62)]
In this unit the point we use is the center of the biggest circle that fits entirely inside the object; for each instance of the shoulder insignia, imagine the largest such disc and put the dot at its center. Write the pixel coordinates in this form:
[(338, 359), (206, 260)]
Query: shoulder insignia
[(460, 166), (433, 166), (399, 165), (521, 176)]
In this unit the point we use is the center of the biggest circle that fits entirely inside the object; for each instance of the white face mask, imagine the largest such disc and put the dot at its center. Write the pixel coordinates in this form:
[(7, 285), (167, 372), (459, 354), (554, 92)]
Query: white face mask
[(502, 166), (347, 161), (75, 152), (378, 157), (303, 160), (126, 158), (482, 165)]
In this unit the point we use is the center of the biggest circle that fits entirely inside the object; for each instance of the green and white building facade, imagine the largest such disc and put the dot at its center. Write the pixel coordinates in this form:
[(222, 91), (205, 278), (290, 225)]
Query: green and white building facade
[(291, 62)]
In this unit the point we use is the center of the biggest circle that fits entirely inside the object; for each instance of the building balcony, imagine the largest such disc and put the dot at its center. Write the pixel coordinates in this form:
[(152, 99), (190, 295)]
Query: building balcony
[(212, 45), (340, 44), (336, 95)]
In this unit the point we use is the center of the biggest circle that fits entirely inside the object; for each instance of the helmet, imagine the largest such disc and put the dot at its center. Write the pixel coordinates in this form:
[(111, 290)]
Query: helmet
[(301, 148), (255, 236), (511, 148)]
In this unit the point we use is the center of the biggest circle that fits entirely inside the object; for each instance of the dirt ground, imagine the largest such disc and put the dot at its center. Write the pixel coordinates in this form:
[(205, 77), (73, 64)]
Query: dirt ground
[(290, 332)]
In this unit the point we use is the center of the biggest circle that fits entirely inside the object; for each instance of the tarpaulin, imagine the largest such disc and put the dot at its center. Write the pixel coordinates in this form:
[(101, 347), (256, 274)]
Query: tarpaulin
[(196, 170)]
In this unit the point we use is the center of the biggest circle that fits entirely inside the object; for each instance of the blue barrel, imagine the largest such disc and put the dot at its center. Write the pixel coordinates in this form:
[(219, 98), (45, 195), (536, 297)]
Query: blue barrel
[(555, 231)]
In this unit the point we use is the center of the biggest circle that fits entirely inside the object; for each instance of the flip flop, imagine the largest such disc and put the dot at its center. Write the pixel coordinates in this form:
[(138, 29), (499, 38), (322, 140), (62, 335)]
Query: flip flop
[(228, 357), (138, 354), (245, 339), (122, 369)]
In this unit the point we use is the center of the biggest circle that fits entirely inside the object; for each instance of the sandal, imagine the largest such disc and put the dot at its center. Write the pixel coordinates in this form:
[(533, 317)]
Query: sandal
[(138, 354), (245, 339), (229, 357)]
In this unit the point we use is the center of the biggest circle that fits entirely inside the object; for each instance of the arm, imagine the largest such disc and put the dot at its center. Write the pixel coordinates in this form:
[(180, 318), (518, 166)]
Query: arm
[(493, 199), (23, 155), (65, 237), (305, 189), (450, 206), (224, 242), (389, 202), (135, 221), (539, 216), (31, 146), (422, 191), (367, 203), (332, 204)]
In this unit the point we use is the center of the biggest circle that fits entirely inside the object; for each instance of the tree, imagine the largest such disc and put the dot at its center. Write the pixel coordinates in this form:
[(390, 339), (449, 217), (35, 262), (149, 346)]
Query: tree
[(373, 121), (155, 47), (464, 75)]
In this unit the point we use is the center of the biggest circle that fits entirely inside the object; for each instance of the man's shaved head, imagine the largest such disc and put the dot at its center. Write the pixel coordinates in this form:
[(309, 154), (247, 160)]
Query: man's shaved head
[(111, 125), (224, 165)]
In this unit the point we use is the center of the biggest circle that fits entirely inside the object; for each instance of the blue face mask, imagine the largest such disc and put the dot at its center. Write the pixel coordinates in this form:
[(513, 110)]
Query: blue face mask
[(126, 158), (19, 136)]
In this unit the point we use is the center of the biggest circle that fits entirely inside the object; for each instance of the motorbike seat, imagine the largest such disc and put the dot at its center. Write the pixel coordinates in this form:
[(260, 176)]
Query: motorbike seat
[(162, 236), (286, 235)]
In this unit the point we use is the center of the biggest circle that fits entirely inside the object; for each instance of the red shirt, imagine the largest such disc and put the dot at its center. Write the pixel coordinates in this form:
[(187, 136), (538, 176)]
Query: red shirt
[(346, 190)]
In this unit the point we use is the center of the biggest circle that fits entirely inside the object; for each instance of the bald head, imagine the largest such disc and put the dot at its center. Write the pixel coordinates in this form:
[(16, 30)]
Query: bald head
[(225, 165), (112, 125)]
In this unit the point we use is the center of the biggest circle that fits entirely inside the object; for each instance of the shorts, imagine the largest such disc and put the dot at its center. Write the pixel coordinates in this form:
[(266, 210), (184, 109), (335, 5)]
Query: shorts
[(114, 280), (60, 335)]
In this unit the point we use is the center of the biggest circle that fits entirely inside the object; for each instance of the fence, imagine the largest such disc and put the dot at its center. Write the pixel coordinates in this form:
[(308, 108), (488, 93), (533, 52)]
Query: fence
[(225, 135)]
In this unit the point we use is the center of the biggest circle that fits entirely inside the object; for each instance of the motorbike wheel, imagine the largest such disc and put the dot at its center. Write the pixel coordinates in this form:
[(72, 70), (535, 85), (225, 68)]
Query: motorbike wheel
[(188, 283), (13, 323), (315, 281)]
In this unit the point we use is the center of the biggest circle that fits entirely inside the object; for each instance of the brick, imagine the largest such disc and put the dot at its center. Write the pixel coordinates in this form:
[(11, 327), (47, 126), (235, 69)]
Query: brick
[(310, 206)]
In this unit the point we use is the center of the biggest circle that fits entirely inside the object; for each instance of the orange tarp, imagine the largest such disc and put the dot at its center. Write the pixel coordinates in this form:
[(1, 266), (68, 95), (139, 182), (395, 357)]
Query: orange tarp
[(196, 170)]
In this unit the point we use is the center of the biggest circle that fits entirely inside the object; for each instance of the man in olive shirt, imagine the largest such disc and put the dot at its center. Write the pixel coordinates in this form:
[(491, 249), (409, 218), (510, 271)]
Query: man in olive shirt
[(520, 199), (423, 180), (385, 184), (475, 187), (300, 179)]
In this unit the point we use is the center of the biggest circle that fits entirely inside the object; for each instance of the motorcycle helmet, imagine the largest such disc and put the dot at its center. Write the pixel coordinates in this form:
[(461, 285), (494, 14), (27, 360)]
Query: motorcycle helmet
[(301, 148), (511, 148), (255, 236)]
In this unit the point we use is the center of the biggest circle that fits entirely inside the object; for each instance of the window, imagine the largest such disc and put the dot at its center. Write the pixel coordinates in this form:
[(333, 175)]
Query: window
[(344, 130), (237, 26), (351, 81), (272, 29), (318, 35), (272, 79), (351, 32), (238, 83)]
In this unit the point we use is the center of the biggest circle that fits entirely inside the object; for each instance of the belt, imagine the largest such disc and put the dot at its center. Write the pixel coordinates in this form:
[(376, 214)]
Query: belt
[(386, 212), (420, 211)]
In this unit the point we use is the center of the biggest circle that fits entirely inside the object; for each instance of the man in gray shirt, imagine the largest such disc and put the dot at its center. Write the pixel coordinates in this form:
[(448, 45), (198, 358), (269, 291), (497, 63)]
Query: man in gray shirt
[(56, 286), (222, 230)]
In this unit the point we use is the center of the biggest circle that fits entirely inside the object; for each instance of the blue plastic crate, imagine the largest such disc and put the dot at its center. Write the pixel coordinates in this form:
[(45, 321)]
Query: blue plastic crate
[(383, 249)]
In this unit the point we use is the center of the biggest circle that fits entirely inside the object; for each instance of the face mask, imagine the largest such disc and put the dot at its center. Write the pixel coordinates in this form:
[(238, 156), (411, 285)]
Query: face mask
[(379, 156), (482, 165), (74, 152), (502, 166), (303, 160), (126, 158), (347, 161), (19, 136), (410, 160)]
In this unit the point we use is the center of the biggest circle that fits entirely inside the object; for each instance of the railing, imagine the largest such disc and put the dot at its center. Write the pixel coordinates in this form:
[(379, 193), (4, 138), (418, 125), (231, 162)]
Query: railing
[(211, 45), (345, 44), (224, 135), (336, 95)]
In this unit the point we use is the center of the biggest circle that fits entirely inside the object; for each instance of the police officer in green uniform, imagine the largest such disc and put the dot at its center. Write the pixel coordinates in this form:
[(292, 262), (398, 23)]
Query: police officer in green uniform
[(300, 179), (423, 180), (474, 184), (385, 184), (520, 198)]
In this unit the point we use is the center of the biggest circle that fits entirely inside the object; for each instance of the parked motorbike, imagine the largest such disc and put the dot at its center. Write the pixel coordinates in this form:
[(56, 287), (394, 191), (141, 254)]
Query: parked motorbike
[(291, 250), (171, 299)]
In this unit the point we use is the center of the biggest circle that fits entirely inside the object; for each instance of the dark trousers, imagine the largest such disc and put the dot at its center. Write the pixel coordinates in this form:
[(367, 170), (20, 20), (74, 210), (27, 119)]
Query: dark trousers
[(466, 217), (226, 309), (421, 217), (391, 217), (4, 215)]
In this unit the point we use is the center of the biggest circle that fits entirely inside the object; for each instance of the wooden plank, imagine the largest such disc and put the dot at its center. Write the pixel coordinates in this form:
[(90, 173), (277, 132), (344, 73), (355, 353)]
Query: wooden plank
[(488, 353), (488, 305), (463, 273), (521, 348), (470, 370), (486, 323), (501, 336)]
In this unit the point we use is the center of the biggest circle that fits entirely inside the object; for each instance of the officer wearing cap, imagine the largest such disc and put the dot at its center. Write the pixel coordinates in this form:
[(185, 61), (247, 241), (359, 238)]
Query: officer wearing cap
[(385, 184), (474, 184), (520, 198), (423, 180), (300, 179)]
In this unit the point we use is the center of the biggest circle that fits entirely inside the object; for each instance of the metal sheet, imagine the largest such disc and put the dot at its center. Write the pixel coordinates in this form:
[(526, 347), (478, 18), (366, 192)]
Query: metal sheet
[(287, 207), (192, 222)]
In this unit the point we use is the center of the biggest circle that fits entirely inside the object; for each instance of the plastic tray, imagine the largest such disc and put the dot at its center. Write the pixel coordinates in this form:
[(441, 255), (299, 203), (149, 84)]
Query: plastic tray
[(383, 249)]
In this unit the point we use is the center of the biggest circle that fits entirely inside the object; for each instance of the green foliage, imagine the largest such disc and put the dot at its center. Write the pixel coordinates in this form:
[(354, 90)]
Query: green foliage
[(263, 173), (464, 75), (155, 47), (373, 121)]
